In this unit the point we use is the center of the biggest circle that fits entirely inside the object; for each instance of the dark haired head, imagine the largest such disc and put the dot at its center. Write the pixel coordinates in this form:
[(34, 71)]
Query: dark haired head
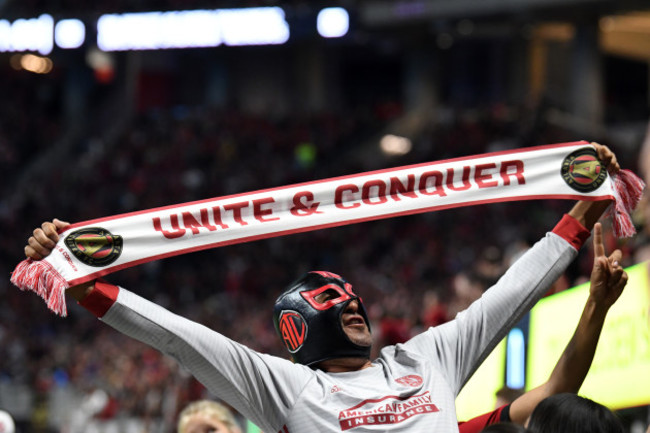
[(505, 427), (572, 413)]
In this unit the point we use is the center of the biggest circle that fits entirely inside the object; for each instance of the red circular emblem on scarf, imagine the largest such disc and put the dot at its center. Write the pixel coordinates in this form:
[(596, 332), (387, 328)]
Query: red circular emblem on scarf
[(582, 170)]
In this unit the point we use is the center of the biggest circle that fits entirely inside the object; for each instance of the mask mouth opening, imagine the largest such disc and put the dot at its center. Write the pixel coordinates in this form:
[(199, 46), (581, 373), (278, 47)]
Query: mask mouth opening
[(359, 316), (345, 338)]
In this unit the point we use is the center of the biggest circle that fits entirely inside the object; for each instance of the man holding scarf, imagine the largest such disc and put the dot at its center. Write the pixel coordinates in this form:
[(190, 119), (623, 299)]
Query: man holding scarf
[(333, 386)]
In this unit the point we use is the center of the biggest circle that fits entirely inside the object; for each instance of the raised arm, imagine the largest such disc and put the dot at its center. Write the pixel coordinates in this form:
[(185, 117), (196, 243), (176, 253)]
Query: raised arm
[(261, 387), (606, 285), (461, 345)]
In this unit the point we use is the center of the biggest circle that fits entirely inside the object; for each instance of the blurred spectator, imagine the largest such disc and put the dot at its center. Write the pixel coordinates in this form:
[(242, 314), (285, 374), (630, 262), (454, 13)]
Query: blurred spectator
[(434, 311), (6, 423), (207, 416)]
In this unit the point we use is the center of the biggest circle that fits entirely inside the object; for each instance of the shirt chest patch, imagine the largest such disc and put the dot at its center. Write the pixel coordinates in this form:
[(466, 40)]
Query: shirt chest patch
[(387, 410)]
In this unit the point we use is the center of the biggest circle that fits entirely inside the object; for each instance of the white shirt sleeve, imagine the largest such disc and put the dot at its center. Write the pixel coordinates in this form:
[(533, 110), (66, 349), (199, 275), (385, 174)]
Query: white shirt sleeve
[(461, 345), (263, 388)]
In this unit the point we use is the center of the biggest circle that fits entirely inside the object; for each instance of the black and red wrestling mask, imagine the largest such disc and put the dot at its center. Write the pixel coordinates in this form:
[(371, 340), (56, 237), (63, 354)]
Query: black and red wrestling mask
[(307, 317)]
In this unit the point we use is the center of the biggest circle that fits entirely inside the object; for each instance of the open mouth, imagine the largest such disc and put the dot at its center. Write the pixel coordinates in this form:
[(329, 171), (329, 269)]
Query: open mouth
[(354, 320)]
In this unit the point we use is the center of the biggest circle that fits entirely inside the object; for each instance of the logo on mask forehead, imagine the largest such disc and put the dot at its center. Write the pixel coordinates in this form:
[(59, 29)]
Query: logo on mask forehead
[(293, 330), (94, 246)]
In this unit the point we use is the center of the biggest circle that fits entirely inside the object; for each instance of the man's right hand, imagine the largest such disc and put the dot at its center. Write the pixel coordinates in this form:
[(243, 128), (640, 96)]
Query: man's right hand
[(41, 244)]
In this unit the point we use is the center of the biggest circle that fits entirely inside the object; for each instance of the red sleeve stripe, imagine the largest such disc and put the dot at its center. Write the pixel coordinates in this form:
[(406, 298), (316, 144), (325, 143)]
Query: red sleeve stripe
[(572, 231), (101, 298)]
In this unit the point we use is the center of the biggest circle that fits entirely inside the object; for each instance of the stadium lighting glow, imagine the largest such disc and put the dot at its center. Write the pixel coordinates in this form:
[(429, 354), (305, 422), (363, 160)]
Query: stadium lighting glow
[(333, 22), (196, 28), (69, 34), (395, 145), (14, 62), (102, 64), (32, 34), (36, 64), (254, 26)]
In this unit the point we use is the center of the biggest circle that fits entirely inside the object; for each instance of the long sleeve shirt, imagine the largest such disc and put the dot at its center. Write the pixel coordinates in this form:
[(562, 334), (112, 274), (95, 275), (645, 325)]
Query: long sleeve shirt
[(410, 387)]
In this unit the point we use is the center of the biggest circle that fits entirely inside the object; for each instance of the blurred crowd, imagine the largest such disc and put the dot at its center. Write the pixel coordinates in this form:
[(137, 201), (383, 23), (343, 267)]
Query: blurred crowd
[(77, 375)]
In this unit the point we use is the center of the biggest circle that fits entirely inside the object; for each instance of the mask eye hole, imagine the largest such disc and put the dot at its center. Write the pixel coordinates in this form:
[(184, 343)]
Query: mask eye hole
[(325, 297)]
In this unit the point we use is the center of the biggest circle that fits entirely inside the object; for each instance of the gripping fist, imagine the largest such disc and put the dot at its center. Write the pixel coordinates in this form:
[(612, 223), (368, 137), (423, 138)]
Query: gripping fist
[(44, 239)]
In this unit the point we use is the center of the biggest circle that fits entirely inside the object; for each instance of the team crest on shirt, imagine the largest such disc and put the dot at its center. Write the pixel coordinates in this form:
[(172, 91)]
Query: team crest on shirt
[(94, 246), (293, 329), (411, 380), (582, 170)]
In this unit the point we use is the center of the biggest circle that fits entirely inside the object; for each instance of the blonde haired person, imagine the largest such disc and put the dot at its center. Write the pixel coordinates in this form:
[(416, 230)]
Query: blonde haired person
[(206, 416)]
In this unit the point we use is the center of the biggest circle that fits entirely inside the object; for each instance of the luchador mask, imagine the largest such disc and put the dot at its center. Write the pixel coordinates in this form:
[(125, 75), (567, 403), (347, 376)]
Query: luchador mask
[(312, 331)]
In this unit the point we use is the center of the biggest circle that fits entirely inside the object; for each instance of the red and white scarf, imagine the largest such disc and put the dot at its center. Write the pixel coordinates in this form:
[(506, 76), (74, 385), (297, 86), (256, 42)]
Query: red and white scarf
[(91, 249)]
